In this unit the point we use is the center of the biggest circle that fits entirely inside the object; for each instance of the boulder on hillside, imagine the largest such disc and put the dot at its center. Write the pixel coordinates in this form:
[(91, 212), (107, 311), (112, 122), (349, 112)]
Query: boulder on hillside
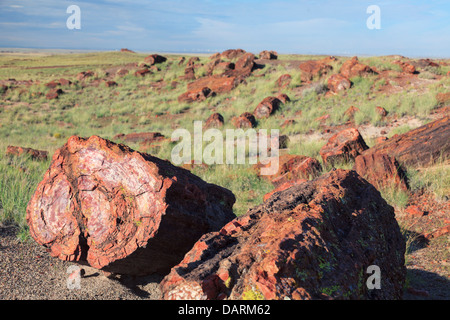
[(120, 210), (353, 68), (214, 121), (314, 68), (245, 120), (232, 53), (33, 153), (266, 107), (268, 55), (381, 170), (344, 146), (154, 59), (315, 240), (419, 147), (337, 83), (293, 167)]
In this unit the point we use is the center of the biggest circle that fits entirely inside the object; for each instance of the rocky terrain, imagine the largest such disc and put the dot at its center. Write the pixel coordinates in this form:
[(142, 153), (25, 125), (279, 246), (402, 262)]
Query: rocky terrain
[(86, 177)]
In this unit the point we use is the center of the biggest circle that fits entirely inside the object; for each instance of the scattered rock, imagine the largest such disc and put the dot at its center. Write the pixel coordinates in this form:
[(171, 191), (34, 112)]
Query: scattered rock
[(315, 240), (284, 80), (142, 72), (344, 146), (337, 83), (84, 75), (352, 68), (268, 55), (381, 170), (122, 211), (214, 121), (232, 53), (245, 120), (406, 67), (381, 111), (126, 50), (414, 211), (33, 153), (292, 167), (142, 137), (266, 107), (200, 94), (54, 94), (311, 69), (154, 59), (419, 147), (283, 98)]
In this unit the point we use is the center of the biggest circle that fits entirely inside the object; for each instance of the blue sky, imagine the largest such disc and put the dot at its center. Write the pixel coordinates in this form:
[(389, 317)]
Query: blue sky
[(408, 27)]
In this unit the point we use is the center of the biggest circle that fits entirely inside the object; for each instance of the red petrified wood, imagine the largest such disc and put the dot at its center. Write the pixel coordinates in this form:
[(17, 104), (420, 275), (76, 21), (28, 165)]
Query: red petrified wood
[(315, 240), (120, 210)]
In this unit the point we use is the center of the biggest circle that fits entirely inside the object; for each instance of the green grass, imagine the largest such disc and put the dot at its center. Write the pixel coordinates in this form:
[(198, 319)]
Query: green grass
[(28, 119)]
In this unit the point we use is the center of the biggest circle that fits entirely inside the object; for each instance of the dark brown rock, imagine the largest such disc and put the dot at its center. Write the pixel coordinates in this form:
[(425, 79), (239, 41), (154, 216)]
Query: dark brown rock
[(419, 147), (245, 120), (33, 153), (314, 68), (120, 210), (154, 59), (381, 170), (214, 121), (266, 107), (314, 240), (268, 55), (344, 146)]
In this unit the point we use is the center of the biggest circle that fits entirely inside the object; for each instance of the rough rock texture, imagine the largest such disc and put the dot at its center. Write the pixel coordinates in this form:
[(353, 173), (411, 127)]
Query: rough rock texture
[(292, 167), (214, 121), (284, 80), (120, 210), (283, 186), (54, 94), (406, 67), (245, 120), (232, 53), (154, 59), (197, 94), (33, 153), (311, 69), (266, 107), (268, 55), (338, 83), (344, 146), (314, 240), (418, 147), (381, 170), (352, 68)]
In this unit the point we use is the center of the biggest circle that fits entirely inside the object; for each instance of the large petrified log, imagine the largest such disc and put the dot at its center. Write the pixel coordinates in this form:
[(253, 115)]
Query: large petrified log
[(344, 146), (419, 147), (120, 210), (315, 240)]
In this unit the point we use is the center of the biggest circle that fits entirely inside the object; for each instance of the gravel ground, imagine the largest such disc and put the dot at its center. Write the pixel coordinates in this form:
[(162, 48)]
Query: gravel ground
[(28, 272)]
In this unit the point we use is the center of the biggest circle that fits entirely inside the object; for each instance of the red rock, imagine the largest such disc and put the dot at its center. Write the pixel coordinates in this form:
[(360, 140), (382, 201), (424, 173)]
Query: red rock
[(337, 83), (414, 211), (406, 67), (189, 74), (191, 62), (437, 233), (283, 98), (245, 120), (120, 210), (381, 170), (381, 111), (54, 94), (292, 167), (214, 121), (352, 68), (314, 68), (52, 84), (419, 147), (232, 53), (64, 82), (126, 50), (196, 95), (282, 187), (289, 122), (344, 146), (323, 118), (381, 140), (443, 98), (154, 59), (110, 83), (141, 137), (268, 55), (142, 72), (266, 107), (350, 112), (85, 74), (314, 240), (33, 153), (284, 80)]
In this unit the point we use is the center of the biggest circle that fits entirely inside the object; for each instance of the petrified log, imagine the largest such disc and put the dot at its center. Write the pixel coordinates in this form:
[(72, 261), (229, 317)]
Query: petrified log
[(418, 147), (344, 146), (33, 153), (120, 210), (266, 107), (315, 240)]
